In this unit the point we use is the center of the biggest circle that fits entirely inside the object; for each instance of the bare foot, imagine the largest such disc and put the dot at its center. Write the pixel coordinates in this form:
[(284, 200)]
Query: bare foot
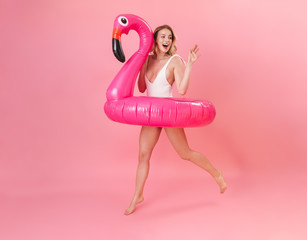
[(221, 182), (133, 204)]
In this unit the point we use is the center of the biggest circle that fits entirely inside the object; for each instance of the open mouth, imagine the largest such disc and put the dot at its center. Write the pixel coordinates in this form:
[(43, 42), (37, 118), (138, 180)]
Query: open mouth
[(165, 46)]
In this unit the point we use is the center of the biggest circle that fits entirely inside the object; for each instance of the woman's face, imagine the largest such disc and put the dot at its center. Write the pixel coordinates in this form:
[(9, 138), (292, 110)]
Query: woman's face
[(164, 40)]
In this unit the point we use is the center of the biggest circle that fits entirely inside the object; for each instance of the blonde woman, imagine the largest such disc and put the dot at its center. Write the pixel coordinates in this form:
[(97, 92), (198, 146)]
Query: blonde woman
[(162, 69)]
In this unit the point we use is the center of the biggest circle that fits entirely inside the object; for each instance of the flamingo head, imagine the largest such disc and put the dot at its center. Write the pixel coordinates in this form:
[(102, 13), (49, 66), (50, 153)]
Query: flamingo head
[(122, 25)]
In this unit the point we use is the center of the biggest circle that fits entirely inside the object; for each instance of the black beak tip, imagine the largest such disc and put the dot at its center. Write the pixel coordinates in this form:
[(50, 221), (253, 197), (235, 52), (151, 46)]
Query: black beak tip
[(120, 58), (117, 50)]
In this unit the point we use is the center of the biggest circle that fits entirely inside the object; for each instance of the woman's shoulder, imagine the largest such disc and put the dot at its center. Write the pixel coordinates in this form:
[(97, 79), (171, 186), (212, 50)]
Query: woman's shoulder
[(177, 60)]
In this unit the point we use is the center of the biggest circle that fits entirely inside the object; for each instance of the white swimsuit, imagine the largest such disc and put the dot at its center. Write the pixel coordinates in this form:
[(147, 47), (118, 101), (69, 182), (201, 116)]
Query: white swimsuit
[(160, 87)]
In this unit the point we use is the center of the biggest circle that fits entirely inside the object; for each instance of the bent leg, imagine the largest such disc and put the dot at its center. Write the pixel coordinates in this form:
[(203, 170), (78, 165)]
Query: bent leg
[(179, 141), (148, 139)]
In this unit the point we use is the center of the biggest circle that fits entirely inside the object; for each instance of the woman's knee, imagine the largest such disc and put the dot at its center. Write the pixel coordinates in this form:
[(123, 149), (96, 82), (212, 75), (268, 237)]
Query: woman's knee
[(186, 154), (144, 156)]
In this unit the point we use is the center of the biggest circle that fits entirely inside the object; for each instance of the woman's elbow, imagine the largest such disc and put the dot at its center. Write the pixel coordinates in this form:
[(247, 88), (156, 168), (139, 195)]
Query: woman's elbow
[(182, 91), (141, 85), (142, 89)]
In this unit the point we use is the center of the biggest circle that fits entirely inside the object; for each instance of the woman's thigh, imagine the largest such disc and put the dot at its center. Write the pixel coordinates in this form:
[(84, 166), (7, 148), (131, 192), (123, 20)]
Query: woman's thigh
[(149, 136), (179, 141)]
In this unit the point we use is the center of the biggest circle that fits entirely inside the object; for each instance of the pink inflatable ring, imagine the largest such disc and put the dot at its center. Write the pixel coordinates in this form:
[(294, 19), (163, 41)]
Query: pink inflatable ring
[(122, 106)]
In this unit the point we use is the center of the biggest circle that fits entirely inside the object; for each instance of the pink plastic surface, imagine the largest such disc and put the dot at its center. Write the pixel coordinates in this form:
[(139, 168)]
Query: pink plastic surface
[(122, 107)]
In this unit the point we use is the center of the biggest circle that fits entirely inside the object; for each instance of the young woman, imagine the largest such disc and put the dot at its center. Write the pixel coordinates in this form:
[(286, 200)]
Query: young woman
[(162, 69)]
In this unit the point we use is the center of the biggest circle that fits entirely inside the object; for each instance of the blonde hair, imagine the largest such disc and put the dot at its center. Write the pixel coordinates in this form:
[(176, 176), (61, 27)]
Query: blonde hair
[(173, 47)]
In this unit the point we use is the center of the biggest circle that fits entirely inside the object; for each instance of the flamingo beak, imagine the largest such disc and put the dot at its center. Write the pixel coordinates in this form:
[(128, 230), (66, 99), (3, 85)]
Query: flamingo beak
[(116, 45)]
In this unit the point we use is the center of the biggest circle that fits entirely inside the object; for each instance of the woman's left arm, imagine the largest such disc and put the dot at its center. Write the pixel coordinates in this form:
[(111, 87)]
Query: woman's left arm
[(182, 78)]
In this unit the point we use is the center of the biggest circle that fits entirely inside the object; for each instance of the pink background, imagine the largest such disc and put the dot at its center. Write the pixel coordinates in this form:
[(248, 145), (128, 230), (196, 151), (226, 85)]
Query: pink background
[(67, 172)]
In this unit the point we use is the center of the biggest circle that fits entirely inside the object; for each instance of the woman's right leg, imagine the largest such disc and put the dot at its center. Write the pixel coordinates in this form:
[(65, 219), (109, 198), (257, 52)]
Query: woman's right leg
[(148, 139)]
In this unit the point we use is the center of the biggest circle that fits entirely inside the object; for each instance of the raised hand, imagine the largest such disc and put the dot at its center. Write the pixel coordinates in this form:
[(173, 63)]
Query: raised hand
[(193, 54)]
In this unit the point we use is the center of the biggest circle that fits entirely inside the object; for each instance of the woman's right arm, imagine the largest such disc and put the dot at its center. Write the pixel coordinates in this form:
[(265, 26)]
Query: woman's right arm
[(141, 79)]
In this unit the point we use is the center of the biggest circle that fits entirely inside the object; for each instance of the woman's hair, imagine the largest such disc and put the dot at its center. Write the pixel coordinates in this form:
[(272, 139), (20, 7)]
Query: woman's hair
[(173, 47)]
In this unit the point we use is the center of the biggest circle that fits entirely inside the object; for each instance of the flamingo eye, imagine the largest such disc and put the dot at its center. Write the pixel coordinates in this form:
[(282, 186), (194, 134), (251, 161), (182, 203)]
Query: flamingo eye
[(123, 21)]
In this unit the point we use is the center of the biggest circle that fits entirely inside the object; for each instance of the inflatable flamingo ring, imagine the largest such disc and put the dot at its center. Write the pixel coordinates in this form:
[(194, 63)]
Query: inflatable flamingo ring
[(122, 106)]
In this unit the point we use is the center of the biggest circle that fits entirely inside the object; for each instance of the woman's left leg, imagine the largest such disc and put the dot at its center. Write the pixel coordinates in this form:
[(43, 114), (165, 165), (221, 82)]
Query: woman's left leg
[(179, 141)]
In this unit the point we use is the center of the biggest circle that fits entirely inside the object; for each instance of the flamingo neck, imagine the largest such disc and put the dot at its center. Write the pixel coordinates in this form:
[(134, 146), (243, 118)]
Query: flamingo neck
[(123, 84)]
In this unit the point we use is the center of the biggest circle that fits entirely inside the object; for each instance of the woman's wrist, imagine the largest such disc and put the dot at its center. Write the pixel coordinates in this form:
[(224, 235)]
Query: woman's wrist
[(189, 64)]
